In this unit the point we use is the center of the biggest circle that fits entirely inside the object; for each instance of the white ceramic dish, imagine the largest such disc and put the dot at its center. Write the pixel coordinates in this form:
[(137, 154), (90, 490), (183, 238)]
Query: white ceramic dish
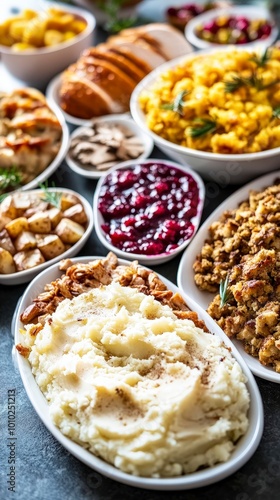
[(50, 169), (52, 93), (122, 119), (147, 259), (232, 168), (185, 271), (243, 451), (248, 11), (37, 67), (155, 10), (28, 274)]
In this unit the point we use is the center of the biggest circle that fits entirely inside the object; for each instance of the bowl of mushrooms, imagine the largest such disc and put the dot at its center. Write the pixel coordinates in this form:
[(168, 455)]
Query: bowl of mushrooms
[(104, 142)]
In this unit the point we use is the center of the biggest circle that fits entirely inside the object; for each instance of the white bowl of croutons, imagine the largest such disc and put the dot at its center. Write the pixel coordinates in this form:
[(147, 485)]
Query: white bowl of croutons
[(39, 228)]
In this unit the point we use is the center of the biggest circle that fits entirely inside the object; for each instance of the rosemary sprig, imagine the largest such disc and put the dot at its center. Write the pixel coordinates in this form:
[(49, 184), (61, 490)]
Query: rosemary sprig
[(224, 291), (114, 23), (262, 59), (9, 178), (276, 112), (52, 197), (178, 104), (252, 81), (203, 127)]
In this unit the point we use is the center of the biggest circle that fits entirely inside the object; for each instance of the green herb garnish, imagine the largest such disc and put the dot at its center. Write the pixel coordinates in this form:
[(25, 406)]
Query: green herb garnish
[(203, 127), (276, 112), (111, 8), (52, 197), (252, 81), (9, 178), (178, 104), (262, 59), (224, 291)]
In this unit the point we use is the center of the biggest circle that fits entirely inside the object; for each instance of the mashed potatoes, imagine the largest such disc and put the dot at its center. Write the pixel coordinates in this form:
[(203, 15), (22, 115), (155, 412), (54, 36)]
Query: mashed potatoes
[(234, 96), (152, 394)]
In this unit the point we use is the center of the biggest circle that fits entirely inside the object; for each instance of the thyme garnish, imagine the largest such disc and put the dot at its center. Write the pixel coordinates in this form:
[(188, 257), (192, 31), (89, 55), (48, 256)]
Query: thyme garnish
[(178, 104), (9, 178), (262, 59), (203, 127), (224, 291), (52, 197), (252, 81)]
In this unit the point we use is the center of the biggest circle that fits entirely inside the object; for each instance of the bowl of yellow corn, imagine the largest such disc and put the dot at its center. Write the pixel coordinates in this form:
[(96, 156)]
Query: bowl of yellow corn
[(38, 43)]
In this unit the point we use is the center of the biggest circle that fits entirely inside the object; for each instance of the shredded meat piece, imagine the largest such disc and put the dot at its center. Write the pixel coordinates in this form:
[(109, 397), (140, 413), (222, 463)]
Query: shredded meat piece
[(245, 245), (80, 278)]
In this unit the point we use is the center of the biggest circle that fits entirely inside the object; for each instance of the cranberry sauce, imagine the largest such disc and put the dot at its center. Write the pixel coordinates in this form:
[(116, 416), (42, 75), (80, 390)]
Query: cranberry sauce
[(147, 209), (228, 29)]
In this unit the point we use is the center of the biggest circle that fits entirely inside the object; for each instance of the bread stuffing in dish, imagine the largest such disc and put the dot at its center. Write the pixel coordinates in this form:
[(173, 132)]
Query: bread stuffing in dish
[(240, 260)]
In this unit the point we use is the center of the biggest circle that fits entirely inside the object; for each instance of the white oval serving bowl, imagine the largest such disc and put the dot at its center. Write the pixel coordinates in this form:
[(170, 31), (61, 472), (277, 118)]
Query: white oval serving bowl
[(245, 447), (147, 259), (250, 12), (225, 168), (28, 274), (124, 120), (36, 67), (185, 277)]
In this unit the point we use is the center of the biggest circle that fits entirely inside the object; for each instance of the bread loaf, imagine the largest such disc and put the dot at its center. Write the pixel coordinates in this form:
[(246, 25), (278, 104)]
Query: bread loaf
[(103, 78)]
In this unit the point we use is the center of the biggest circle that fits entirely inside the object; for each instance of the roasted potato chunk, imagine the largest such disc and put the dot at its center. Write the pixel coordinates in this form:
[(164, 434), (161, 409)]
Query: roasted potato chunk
[(8, 208), (3, 221), (28, 259), (6, 242), (40, 223), (76, 213), (68, 200), (17, 226), (7, 265), (55, 216), (69, 231), (50, 245), (25, 241)]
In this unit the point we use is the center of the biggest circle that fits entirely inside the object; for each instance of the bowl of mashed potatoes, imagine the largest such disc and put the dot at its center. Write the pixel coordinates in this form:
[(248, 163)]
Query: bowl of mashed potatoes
[(215, 110), (136, 385)]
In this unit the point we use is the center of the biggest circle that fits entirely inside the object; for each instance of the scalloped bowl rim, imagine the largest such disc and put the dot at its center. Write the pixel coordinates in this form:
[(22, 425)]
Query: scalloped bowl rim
[(123, 118), (142, 258), (28, 274), (86, 15), (245, 448), (139, 116), (249, 11)]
